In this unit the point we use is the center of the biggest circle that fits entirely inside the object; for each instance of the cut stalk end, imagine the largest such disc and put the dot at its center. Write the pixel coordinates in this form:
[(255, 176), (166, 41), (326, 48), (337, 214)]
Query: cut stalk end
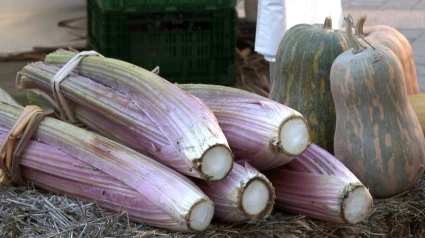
[(217, 162), (200, 215), (257, 198), (357, 204), (294, 136)]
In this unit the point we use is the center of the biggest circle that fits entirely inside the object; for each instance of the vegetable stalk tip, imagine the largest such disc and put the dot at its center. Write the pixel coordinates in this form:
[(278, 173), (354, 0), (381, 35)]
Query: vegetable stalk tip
[(357, 204), (200, 215), (217, 162), (294, 136), (257, 197)]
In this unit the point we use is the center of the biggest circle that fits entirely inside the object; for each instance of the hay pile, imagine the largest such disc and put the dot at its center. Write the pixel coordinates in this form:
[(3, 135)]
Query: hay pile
[(252, 72), (28, 212)]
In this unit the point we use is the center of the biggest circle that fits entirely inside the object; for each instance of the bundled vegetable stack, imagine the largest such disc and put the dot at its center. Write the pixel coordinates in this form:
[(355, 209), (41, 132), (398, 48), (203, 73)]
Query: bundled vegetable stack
[(63, 158), (269, 136), (87, 95), (261, 132), (238, 192), (147, 112)]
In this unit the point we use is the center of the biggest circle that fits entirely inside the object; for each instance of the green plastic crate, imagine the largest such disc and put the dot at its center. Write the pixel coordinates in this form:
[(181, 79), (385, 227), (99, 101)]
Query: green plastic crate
[(189, 46), (163, 5)]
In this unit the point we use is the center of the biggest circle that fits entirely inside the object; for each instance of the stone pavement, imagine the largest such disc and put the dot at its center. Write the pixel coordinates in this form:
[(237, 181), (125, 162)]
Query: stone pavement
[(407, 16)]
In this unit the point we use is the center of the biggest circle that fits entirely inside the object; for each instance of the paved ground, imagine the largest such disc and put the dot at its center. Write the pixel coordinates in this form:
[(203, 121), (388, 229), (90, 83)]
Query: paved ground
[(407, 16)]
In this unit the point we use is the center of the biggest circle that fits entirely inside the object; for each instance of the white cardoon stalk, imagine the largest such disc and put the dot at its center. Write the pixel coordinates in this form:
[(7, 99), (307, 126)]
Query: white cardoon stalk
[(175, 194), (56, 171), (245, 194), (318, 185), (263, 132), (166, 118)]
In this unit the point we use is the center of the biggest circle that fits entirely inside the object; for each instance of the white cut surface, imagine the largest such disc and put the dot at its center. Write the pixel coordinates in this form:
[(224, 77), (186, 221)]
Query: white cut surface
[(294, 136), (357, 205), (201, 215), (217, 162), (255, 197)]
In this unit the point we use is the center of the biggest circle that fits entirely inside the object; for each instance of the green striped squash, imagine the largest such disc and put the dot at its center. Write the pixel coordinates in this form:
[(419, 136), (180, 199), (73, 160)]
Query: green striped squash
[(377, 136), (301, 81)]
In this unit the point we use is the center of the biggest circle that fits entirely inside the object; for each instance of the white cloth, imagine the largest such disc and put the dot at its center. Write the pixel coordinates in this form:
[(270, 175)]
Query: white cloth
[(275, 17)]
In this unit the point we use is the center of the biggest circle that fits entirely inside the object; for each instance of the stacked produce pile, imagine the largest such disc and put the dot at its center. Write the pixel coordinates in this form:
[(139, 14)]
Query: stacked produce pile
[(130, 154)]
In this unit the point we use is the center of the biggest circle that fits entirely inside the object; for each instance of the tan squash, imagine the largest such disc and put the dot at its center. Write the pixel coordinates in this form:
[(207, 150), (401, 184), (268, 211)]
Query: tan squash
[(377, 134), (397, 42)]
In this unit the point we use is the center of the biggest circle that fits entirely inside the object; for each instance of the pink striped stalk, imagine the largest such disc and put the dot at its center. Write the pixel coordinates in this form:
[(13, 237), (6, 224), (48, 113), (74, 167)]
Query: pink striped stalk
[(245, 194), (131, 126), (260, 131), (144, 184), (56, 171), (169, 124), (318, 185)]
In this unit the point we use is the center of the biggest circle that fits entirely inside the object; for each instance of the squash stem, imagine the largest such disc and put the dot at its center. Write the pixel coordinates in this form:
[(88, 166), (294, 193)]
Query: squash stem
[(328, 24), (358, 47), (360, 25), (359, 30)]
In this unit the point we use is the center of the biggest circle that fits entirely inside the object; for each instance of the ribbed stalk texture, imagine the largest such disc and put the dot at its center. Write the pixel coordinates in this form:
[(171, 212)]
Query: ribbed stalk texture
[(245, 194), (56, 171), (263, 132), (165, 122), (318, 185), (158, 183)]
